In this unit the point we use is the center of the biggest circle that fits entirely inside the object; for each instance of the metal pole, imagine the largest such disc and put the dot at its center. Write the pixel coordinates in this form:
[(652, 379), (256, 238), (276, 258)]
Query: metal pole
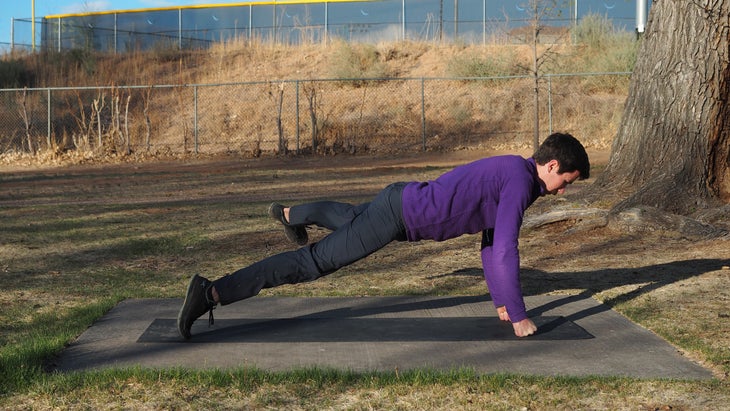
[(456, 19), (484, 22), (423, 114), (179, 28), (326, 21), (575, 22), (48, 120), (550, 104), (296, 101), (59, 34), (250, 12), (32, 23), (195, 117), (403, 24), (441, 21), (640, 16), (12, 34), (115, 33)]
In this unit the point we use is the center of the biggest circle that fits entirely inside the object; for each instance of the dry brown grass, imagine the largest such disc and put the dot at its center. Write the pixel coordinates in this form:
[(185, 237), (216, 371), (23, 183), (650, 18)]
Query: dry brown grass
[(354, 116)]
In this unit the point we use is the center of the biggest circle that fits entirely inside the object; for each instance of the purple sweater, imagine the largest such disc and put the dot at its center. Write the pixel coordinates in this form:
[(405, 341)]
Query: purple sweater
[(488, 193)]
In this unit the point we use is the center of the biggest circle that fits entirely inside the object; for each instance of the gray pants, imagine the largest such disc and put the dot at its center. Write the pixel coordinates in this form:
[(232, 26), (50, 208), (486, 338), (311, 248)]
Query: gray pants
[(358, 231)]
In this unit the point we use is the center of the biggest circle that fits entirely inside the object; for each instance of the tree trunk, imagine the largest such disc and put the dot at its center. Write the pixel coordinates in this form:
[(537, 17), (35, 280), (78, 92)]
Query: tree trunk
[(672, 150)]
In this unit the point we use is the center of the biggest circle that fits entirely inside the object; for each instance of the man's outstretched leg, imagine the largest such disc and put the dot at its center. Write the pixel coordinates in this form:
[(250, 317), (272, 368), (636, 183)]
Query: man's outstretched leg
[(379, 224)]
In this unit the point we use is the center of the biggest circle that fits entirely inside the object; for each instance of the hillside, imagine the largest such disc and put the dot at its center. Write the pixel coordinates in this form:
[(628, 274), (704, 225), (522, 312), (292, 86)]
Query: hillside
[(316, 114), (244, 61)]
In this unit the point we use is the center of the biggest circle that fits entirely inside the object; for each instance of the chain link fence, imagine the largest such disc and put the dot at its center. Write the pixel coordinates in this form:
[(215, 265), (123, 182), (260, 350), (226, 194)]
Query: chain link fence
[(307, 22), (311, 116)]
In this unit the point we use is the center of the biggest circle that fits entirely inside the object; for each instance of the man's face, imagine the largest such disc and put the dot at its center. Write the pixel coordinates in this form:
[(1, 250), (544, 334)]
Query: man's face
[(556, 182)]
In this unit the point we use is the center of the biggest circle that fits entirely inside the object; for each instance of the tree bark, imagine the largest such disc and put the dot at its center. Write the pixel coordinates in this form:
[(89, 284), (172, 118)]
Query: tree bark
[(672, 150)]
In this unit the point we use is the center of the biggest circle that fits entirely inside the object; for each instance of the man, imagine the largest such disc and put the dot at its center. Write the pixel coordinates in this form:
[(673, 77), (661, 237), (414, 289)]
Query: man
[(488, 196)]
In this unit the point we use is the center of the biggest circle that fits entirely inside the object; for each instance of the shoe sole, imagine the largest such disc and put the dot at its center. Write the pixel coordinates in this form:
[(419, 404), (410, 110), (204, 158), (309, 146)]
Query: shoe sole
[(180, 323), (300, 239)]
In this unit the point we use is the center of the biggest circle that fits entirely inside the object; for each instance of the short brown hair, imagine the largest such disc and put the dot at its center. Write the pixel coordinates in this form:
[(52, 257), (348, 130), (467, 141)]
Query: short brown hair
[(568, 151)]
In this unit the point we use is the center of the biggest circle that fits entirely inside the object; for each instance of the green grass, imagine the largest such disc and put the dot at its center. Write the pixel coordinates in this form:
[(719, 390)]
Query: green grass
[(24, 359), (318, 388)]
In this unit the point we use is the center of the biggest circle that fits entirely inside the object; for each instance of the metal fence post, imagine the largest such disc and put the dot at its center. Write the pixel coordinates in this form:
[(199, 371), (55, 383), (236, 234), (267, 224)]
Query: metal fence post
[(115, 32), (179, 28), (423, 114), (59, 35), (296, 102), (48, 120), (550, 103), (484, 22), (403, 23), (326, 22), (195, 116)]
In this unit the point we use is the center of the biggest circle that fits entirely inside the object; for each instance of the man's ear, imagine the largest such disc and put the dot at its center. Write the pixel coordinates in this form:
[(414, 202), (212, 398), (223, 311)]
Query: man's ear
[(552, 165)]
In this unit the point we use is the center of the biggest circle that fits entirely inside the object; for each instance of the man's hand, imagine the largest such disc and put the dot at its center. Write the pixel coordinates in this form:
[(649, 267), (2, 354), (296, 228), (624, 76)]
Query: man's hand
[(502, 313), (524, 328)]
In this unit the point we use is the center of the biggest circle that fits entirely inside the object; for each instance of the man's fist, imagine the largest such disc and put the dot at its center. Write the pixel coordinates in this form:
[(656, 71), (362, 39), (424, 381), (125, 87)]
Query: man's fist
[(524, 328)]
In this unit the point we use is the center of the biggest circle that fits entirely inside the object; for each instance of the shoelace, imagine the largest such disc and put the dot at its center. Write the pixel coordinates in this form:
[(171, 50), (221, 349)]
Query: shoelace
[(211, 320)]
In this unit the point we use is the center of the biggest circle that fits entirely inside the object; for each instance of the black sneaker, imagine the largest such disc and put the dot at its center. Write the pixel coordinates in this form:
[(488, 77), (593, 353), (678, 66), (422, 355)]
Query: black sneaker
[(196, 304), (295, 233)]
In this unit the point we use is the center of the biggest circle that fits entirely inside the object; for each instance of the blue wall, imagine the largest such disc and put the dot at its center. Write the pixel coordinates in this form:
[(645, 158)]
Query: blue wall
[(471, 21)]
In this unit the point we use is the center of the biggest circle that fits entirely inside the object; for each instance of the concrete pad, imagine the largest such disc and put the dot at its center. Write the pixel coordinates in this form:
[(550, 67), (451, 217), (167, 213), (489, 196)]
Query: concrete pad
[(576, 336)]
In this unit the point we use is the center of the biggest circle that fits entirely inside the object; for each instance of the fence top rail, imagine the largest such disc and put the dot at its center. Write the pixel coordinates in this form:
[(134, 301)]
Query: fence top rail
[(248, 83)]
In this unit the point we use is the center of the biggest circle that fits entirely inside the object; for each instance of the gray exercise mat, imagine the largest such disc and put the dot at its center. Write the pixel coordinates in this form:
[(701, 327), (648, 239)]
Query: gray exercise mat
[(577, 336), (309, 329)]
